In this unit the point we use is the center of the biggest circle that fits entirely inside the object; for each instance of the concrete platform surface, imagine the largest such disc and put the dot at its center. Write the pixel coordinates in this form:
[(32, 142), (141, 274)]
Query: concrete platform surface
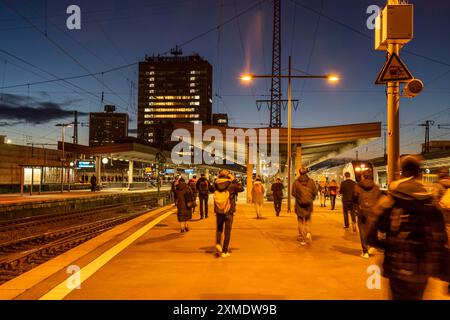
[(267, 262)]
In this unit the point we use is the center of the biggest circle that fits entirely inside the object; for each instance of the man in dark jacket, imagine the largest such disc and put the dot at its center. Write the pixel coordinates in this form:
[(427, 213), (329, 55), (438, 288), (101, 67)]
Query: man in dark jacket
[(367, 194), (416, 245), (277, 192), (347, 190), (193, 185), (93, 183), (304, 191), (226, 184), (203, 187)]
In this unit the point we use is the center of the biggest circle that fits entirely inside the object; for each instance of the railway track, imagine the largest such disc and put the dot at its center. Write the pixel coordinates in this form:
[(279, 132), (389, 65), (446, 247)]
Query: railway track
[(21, 255), (24, 223)]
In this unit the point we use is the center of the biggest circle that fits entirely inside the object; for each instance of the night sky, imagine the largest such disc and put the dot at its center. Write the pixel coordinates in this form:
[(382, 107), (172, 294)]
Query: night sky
[(116, 33)]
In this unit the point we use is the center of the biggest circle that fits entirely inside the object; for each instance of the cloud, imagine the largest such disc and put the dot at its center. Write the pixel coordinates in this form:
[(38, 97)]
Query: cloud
[(25, 109)]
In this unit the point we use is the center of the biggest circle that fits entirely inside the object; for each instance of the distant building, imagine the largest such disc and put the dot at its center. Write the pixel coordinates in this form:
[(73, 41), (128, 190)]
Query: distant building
[(437, 145), (172, 89), (107, 127), (220, 119)]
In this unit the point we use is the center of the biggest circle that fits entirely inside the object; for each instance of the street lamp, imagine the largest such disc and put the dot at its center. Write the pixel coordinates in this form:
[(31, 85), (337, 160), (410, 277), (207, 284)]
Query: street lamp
[(63, 127), (330, 77)]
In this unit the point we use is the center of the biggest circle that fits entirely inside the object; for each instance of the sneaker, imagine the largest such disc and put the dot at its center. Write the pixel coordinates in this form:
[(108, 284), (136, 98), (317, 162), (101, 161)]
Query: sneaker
[(225, 254), (182, 231), (218, 249), (308, 237), (372, 250), (365, 255), (187, 229)]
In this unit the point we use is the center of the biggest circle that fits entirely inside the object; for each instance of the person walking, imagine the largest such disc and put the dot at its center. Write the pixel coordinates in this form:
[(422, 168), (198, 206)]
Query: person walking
[(416, 245), (185, 202), (277, 193), (258, 196), (193, 185), (93, 183), (366, 197), (226, 190), (173, 189), (304, 191), (203, 186), (323, 193), (333, 190), (347, 190)]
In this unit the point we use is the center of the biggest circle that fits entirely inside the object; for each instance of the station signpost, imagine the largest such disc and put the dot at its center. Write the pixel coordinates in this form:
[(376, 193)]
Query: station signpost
[(394, 29)]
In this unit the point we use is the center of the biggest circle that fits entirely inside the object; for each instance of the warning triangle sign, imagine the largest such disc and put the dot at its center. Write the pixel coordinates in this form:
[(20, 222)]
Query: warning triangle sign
[(394, 70)]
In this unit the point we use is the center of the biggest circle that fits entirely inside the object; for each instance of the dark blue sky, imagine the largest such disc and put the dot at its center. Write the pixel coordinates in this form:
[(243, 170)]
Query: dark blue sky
[(116, 33)]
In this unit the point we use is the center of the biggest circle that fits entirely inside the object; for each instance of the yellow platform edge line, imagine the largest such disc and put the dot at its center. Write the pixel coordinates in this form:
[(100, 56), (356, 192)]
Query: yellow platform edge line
[(62, 290)]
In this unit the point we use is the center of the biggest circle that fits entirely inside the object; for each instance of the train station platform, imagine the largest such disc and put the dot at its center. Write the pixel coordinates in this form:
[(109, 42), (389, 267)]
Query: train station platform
[(151, 259)]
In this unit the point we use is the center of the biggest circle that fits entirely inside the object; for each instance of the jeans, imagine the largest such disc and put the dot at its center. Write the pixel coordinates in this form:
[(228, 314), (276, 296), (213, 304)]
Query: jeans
[(333, 201), (203, 204), (406, 290), (304, 226), (222, 220), (323, 199), (277, 204), (348, 207), (362, 235)]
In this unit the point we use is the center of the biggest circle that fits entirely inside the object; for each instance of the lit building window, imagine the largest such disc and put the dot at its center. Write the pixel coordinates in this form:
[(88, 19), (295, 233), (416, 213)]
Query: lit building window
[(192, 78), (151, 79), (151, 85), (197, 97), (194, 103), (192, 84)]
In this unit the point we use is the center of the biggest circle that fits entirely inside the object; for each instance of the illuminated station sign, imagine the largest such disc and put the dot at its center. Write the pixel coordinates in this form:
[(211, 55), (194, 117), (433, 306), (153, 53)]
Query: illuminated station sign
[(83, 164)]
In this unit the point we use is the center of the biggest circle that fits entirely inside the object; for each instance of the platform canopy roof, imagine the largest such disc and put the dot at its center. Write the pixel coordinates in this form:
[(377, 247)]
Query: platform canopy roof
[(318, 144)]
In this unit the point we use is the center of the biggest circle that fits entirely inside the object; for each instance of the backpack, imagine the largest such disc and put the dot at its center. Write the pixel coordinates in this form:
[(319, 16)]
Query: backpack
[(258, 188), (222, 202), (444, 203), (203, 187), (304, 197)]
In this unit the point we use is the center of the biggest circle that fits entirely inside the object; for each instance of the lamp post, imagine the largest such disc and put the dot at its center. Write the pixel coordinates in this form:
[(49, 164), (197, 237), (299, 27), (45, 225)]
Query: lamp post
[(289, 76), (63, 127)]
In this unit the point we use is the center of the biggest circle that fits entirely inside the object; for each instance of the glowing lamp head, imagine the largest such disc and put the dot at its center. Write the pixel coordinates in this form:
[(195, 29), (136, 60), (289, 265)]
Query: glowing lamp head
[(105, 160), (246, 77), (333, 78)]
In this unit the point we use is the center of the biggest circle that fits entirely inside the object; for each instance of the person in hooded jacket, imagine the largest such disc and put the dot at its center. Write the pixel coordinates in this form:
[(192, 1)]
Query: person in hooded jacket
[(184, 198), (333, 190), (304, 191), (277, 192), (225, 182), (203, 187), (258, 196), (367, 194), (416, 245)]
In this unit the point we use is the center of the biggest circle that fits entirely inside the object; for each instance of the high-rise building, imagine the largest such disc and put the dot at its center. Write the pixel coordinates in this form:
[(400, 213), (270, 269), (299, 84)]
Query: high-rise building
[(107, 127), (220, 119), (173, 89)]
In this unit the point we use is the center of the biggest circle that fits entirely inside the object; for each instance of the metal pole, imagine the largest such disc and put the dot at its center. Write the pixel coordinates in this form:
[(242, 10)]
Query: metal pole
[(393, 105), (289, 156), (62, 161)]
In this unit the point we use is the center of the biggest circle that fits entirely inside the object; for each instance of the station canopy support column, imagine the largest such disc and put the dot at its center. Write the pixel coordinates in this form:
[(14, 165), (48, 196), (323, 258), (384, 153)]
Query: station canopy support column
[(298, 159), (130, 172)]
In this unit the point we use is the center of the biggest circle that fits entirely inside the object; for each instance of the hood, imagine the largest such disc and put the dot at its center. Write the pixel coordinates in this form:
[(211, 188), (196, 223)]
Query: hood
[(367, 184), (181, 186), (222, 183), (257, 182), (410, 189)]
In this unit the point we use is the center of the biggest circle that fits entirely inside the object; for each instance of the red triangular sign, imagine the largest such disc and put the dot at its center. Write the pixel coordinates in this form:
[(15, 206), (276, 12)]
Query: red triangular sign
[(394, 70)]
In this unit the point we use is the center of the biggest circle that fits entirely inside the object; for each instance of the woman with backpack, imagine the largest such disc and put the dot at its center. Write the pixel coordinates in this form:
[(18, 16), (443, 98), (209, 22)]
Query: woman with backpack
[(258, 196), (185, 203)]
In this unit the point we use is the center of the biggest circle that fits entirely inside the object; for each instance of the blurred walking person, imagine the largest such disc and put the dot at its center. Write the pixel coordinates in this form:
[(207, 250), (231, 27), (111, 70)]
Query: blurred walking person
[(367, 194), (93, 183), (304, 191), (185, 204), (277, 192), (258, 196), (323, 193), (333, 190), (203, 187), (193, 185), (226, 191), (347, 190), (416, 246)]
